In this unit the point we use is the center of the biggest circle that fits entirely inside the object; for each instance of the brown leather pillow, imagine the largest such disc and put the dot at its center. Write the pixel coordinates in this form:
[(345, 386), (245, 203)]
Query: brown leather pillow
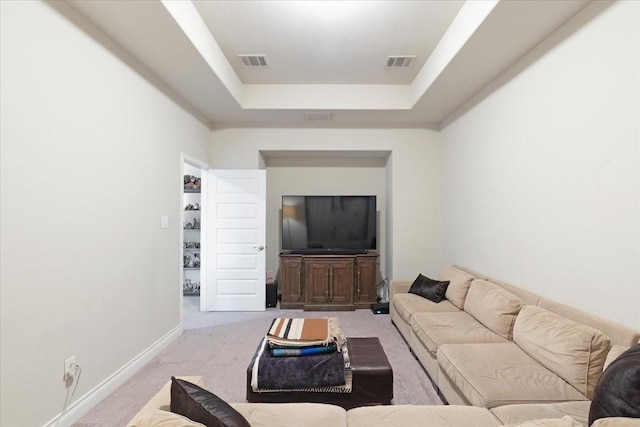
[(202, 406), (430, 289)]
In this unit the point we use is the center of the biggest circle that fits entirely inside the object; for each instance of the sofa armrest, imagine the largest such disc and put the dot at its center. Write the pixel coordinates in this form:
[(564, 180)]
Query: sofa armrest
[(162, 399), (399, 287)]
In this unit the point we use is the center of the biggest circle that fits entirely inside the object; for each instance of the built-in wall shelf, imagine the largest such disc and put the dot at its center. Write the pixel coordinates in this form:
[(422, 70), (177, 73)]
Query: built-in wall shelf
[(191, 207)]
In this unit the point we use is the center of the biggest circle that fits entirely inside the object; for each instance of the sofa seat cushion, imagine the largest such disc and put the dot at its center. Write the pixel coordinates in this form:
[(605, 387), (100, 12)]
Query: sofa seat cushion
[(616, 422), (459, 282), (433, 329), (493, 306), (570, 349), (512, 414), (292, 414), (408, 304), (420, 415), (495, 374), (565, 421), (161, 418)]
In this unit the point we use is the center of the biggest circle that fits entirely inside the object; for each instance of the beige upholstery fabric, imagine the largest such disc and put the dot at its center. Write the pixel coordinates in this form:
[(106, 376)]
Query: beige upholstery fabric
[(433, 329), (407, 304), (573, 351), (493, 306), (613, 354), (616, 422), (513, 414), (459, 282), (526, 296), (162, 399), (292, 414), (160, 418), (618, 334), (399, 287), (565, 421), (496, 374), (419, 416)]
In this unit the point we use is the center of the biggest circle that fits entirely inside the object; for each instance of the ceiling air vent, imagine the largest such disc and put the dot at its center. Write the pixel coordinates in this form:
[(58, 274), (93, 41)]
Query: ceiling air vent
[(317, 117), (253, 60), (399, 61)]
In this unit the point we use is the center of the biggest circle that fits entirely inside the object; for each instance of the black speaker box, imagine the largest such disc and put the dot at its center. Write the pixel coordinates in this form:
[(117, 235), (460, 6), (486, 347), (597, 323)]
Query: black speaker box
[(272, 295)]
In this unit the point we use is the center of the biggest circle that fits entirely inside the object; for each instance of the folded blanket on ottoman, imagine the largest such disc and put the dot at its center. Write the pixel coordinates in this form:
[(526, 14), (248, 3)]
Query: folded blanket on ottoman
[(303, 351), (318, 367), (287, 332)]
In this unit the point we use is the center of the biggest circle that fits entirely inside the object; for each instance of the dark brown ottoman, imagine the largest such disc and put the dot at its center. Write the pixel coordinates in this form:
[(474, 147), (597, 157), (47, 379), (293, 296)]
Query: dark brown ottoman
[(372, 380)]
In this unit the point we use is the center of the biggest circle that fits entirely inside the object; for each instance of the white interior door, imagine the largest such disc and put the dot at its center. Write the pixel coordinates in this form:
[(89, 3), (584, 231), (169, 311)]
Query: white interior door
[(236, 237)]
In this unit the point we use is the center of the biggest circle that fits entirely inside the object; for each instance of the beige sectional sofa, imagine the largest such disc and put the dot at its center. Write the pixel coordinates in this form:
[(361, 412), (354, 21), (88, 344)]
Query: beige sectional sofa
[(498, 354), (493, 345), (156, 413)]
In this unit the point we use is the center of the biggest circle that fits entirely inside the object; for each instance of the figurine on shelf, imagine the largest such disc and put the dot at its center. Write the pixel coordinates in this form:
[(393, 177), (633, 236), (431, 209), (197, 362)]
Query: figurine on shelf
[(191, 182), (192, 226)]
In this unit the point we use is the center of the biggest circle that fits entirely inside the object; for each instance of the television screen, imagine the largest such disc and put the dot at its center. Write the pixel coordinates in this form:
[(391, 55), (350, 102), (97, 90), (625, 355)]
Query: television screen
[(313, 224)]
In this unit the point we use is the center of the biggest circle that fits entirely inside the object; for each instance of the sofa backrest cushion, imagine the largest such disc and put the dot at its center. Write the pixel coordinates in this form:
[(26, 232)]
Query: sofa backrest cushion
[(573, 351), (459, 282), (494, 307), (618, 334)]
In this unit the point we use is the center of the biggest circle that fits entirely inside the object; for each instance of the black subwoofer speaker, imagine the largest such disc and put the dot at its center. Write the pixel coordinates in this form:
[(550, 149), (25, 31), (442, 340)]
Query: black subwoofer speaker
[(272, 294)]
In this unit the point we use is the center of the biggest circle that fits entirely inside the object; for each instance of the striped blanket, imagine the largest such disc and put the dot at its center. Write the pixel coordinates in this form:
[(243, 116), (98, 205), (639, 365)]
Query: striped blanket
[(288, 332)]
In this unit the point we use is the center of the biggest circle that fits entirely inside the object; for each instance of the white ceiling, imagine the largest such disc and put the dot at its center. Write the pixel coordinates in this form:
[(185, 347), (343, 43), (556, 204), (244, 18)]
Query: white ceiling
[(324, 56)]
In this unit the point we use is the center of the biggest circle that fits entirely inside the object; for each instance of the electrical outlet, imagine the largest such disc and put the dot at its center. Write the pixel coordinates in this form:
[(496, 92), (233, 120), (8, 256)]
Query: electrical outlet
[(70, 367)]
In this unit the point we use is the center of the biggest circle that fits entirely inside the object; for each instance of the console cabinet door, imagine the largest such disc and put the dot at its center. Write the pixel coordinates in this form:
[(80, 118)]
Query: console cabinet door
[(292, 286), (365, 281), (328, 282), (341, 282), (316, 281)]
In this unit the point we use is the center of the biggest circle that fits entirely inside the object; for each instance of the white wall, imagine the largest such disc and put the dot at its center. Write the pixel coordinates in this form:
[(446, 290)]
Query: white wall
[(541, 180), (414, 178), (90, 161)]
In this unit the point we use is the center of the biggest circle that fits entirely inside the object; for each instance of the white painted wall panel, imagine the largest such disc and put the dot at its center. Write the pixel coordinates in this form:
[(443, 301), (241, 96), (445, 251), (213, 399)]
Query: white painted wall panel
[(541, 179)]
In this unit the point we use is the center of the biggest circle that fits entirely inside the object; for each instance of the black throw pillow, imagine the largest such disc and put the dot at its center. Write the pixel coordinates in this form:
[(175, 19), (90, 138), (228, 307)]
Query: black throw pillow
[(430, 289), (617, 393), (202, 406)]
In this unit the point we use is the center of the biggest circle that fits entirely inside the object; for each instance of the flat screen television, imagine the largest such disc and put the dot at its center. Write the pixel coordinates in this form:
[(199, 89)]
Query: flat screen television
[(329, 224)]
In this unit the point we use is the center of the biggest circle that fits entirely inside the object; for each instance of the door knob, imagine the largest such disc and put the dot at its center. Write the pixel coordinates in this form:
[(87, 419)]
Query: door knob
[(260, 248)]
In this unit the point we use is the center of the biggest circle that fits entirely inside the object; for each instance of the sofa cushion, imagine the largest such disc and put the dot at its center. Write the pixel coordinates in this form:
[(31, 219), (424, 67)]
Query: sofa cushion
[(160, 418), (420, 415), (565, 421), (616, 422), (573, 351), (292, 414), (202, 406), (408, 304), (513, 414), (495, 374), (493, 306), (613, 354), (433, 290), (459, 282), (434, 329)]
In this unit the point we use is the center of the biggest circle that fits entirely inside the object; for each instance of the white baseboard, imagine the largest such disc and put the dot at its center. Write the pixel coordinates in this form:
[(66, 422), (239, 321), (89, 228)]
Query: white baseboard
[(85, 403)]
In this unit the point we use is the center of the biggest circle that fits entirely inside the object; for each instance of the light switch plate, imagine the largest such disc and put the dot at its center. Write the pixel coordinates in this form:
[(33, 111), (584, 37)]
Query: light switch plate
[(164, 222)]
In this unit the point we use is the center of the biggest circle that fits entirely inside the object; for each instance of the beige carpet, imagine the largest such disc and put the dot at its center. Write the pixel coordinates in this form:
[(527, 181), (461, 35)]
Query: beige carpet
[(218, 346)]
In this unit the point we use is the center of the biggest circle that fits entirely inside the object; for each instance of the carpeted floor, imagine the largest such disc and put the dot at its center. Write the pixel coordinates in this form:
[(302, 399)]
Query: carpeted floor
[(219, 345)]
